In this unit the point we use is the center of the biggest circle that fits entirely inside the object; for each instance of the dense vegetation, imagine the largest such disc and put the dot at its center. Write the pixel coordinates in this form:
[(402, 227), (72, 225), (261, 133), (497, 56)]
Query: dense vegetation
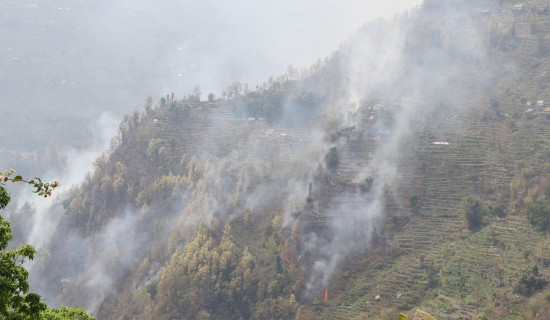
[(234, 207)]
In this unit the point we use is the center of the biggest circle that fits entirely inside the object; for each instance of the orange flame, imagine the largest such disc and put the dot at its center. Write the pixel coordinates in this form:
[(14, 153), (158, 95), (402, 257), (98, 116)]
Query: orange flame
[(326, 294)]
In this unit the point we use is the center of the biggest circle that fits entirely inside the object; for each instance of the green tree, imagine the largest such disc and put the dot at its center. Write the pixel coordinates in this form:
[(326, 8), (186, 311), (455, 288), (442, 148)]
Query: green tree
[(432, 276), (472, 210), (530, 282), (499, 210), (331, 158), (197, 93), (65, 313), (482, 316), (414, 203), (538, 213), (15, 300)]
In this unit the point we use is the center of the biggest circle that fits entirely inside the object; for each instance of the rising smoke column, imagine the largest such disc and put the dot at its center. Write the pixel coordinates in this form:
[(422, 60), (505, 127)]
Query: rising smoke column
[(382, 71), (419, 61)]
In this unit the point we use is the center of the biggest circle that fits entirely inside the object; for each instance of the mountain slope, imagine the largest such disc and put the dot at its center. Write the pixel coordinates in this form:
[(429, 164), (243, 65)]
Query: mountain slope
[(350, 183)]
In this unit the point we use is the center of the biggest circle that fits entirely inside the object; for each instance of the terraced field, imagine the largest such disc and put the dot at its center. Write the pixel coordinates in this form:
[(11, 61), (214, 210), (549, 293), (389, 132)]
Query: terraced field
[(427, 256), (471, 268), (436, 263)]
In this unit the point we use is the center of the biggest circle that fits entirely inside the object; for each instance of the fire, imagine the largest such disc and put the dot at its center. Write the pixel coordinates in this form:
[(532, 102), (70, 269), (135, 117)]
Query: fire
[(326, 294)]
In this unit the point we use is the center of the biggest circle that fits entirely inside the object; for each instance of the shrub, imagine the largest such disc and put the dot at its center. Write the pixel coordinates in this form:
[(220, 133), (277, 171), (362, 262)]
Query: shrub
[(538, 213), (530, 282), (331, 158), (472, 211)]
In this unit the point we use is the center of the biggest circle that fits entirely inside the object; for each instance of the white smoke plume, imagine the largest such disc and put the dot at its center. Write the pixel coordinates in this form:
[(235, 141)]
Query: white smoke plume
[(78, 164), (376, 65), (387, 68)]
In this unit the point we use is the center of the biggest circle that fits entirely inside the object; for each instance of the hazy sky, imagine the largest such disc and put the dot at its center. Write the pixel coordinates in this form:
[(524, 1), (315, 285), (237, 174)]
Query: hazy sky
[(71, 60), (211, 43), (119, 51), (249, 40), (70, 50)]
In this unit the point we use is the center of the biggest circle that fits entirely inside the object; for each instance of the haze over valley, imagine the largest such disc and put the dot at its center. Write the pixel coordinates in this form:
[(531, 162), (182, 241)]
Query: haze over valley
[(305, 160)]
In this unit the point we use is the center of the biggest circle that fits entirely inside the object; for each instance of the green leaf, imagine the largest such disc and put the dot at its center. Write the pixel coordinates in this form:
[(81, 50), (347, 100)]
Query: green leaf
[(17, 178)]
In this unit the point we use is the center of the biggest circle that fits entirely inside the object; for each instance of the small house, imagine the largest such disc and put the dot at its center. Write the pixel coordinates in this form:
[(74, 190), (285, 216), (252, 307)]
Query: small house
[(540, 103), (517, 8)]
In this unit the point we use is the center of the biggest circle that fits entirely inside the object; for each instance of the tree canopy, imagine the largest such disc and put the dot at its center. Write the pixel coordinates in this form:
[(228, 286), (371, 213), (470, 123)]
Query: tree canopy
[(16, 302)]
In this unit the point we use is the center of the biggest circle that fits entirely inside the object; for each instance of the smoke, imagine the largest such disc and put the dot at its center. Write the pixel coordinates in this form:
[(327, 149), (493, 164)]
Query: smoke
[(46, 214), (94, 265), (402, 70), (356, 217), (111, 252), (77, 164), (250, 40), (108, 55)]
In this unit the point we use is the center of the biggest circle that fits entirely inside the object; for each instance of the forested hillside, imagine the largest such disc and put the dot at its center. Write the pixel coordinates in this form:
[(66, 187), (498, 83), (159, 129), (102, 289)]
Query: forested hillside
[(410, 169)]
